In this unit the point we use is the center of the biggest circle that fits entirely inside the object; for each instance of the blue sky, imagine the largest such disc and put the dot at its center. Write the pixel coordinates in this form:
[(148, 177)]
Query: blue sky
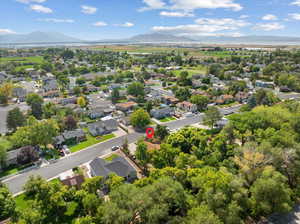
[(100, 19)]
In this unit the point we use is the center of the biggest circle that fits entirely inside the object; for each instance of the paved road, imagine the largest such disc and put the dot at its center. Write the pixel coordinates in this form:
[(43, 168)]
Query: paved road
[(52, 170)]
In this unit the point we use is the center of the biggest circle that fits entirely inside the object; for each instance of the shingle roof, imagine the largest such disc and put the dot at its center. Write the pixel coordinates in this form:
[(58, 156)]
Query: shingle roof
[(119, 166)]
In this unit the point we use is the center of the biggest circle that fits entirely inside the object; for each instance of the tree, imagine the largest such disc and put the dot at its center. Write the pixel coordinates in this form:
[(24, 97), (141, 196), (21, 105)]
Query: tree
[(35, 101), (114, 181), (183, 94), (27, 155), (115, 95), (202, 214), (15, 118), (3, 156), (140, 119), (136, 89), (270, 194), (212, 116), (93, 185), (142, 152), (200, 101), (7, 203), (70, 123), (5, 92), (161, 132), (81, 101)]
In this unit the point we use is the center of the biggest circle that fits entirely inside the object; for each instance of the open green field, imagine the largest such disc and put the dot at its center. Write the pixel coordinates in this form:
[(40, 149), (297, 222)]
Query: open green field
[(35, 59), (90, 141), (192, 70), (223, 54)]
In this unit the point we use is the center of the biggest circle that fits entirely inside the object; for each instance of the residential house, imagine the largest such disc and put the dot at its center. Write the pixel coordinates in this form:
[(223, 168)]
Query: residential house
[(170, 100), (224, 99), (100, 111), (70, 137), (50, 85), (187, 106), (119, 166), (70, 179), (162, 112), (103, 127), (126, 107), (262, 84), (19, 93), (69, 100), (242, 97)]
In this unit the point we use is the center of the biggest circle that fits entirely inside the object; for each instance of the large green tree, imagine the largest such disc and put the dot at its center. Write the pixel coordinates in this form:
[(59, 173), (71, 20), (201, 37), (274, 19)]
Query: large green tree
[(15, 118), (140, 118)]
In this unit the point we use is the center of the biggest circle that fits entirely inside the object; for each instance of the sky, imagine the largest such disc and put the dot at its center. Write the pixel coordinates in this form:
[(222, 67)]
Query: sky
[(106, 19)]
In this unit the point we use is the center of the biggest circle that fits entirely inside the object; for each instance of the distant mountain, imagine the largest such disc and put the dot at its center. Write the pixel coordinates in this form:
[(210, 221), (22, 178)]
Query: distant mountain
[(37, 37), (158, 37)]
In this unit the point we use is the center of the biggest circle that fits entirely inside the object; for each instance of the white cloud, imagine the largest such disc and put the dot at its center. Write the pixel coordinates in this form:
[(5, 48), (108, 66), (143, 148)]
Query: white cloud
[(127, 24), (88, 9), (54, 20), (296, 2), (31, 1), (269, 26), (244, 16), (295, 16), (153, 4), (269, 17), (41, 9), (204, 27), (6, 31), (100, 23), (176, 14), (191, 5)]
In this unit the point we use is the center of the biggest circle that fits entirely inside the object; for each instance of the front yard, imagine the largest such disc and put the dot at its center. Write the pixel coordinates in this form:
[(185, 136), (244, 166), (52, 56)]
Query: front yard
[(90, 141), (13, 169), (167, 119)]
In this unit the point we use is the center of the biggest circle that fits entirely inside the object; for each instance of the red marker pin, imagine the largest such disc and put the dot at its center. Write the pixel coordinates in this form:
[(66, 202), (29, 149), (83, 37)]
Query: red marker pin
[(150, 132)]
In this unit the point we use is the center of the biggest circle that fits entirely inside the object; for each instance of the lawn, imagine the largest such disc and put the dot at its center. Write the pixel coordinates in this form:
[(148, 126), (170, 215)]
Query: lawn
[(111, 157), (192, 70), (229, 105), (35, 59), (12, 170), (90, 141), (167, 119)]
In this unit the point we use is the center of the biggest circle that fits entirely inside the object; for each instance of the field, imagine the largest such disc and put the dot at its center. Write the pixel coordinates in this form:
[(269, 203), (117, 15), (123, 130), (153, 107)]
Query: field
[(34, 60), (192, 70)]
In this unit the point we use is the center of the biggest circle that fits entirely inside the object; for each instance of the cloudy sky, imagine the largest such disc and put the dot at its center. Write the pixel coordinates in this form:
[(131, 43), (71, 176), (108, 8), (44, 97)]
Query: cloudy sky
[(100, 19)]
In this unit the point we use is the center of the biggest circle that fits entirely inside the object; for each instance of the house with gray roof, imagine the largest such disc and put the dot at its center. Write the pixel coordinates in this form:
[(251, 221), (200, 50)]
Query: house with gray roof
[(163, 112), (120, 166), (103, 127), (70, 137), (20, 93)]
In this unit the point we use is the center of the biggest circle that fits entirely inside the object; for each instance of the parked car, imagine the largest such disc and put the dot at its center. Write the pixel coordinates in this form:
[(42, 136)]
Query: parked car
[(115, 148)]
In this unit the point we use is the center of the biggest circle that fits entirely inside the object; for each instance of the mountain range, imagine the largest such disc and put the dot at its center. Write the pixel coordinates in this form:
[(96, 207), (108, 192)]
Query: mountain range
[(54, 37)]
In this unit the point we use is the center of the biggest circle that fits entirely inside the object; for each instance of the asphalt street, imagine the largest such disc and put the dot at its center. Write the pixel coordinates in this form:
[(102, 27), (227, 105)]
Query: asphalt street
[(16, 183)]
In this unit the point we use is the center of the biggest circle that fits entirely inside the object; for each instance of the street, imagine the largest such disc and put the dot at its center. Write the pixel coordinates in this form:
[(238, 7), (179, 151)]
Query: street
[(16, 183)]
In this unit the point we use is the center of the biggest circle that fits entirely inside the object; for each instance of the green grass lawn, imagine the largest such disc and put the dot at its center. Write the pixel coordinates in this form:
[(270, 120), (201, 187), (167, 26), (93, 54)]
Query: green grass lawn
[(12, 170), (90, 141), (111, 157), (229, 104), (167, 119), (192, 70), (35, 59)]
